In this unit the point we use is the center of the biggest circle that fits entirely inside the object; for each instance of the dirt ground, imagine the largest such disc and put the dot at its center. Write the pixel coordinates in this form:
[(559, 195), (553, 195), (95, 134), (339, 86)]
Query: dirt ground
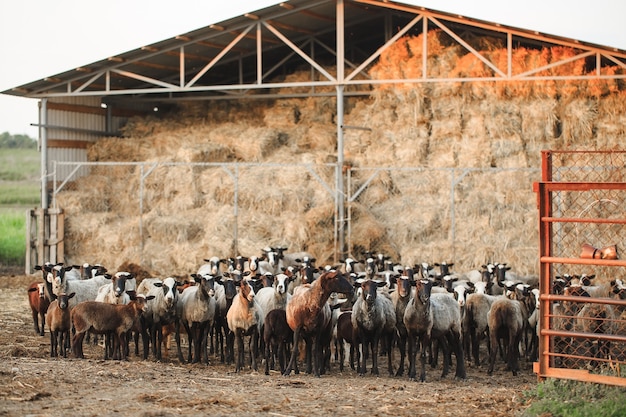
[(32, 383)]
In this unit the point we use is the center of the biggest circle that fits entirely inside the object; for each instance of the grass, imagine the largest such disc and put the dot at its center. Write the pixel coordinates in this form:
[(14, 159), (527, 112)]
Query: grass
[(19, 165), (564, 398), (19, 190), (12, 236)]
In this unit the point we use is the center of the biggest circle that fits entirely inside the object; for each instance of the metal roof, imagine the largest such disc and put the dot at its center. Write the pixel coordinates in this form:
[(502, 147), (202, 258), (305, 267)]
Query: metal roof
[(252, 55)]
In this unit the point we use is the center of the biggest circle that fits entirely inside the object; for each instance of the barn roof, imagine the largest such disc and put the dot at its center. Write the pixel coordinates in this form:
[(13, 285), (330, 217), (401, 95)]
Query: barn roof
[(251, 55)]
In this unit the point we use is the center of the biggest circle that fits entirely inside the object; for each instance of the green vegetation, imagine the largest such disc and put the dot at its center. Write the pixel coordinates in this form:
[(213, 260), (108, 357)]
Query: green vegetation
[(19, 190), (12, 236), (564, 398)]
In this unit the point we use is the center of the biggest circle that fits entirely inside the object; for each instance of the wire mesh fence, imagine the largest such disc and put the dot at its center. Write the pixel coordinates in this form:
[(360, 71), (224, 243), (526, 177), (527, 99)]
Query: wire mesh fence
[(583, 301)]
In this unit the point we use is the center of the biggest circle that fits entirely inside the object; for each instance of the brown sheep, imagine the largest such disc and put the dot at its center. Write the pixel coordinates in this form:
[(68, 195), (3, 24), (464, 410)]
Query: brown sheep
[(39, 302), (309, 315), (59, 324), (103, 318)]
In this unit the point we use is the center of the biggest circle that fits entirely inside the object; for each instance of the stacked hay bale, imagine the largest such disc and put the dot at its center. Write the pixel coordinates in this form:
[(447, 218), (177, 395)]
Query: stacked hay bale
[(188, 213)]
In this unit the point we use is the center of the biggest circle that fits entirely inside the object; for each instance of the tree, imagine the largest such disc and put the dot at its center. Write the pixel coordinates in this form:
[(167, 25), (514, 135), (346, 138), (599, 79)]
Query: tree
[(10, 141)]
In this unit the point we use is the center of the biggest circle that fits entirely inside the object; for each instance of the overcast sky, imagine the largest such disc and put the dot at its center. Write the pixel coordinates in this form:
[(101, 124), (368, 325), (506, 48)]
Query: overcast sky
[(40, 38)]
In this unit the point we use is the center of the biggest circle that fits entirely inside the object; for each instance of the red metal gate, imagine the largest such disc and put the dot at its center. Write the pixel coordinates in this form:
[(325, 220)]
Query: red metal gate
[(582, 207)]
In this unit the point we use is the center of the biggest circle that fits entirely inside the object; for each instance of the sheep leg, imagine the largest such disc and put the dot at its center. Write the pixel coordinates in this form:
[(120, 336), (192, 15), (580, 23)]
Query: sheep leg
[(412, 355), (53, 344), (77, 345), (240, 353), (375, 344), (196, 336), (389, 344), (457, 346), (426, 343), (443, 344), (402, 339), (178, 345), (36, 321), (255, 347), (204, 341), (294, 352), (494, 343)]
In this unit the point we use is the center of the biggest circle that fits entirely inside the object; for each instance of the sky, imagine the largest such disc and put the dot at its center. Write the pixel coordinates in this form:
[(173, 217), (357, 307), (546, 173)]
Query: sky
[(41, 38)]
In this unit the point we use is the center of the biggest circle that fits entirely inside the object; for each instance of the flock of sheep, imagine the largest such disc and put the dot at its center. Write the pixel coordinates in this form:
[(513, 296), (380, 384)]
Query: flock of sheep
[(280, 302)]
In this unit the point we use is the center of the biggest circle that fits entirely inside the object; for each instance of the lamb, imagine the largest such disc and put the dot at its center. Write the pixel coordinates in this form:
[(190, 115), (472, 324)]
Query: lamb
[(507, 319), (39, 304), (59, 324), (245, 318), (103, 318), (309, 315), (160, 311), (373, 318), (196, 311), (433, 316), (277, 336)]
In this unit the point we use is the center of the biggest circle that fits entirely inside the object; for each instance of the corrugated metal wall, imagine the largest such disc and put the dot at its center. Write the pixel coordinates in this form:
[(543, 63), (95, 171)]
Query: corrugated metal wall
[(72, 123)]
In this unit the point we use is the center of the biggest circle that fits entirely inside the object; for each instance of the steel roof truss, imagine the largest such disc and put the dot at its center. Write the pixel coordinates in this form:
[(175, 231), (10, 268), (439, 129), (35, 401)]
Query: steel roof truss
[(467, 46), (387, 44), (143, 78), (219, 56), (554, 64), (299, 51)]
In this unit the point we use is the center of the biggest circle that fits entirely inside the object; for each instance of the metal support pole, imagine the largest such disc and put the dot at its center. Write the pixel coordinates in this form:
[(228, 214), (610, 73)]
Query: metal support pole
[(43, 145)]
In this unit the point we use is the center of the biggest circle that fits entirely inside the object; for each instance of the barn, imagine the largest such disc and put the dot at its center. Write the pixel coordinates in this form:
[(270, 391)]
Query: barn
[(334, 127)]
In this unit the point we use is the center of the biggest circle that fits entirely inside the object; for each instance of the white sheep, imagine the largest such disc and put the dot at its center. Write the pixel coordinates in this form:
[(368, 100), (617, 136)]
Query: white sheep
[(433, 317), (374, 319), (116, 292), (276, 296), (160, 311), (86, 290), (196, 311)]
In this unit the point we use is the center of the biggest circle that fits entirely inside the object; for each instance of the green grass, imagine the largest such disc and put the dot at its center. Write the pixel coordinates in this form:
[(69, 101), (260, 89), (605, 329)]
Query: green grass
[(19, 165), (12, 236), (19, 190), (564, 398)]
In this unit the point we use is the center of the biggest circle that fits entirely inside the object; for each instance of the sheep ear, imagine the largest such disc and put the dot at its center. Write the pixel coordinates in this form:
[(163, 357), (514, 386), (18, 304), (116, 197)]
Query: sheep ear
[(158, 284), (381, 283), (33, 289), (149, 297), (71, 295)]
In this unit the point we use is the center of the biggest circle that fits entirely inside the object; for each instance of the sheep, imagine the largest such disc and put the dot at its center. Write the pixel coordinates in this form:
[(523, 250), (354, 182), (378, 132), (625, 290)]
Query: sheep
[(225, 292), (161, 310), (345, 333), (116, 292), (102, 318), (597, 318), (400, 298), (285, 259), (373, 318), (196, 311), (433, 316), (85, 271), (86, 290), (276, 296), (475, 323), (309, 315), (59, 324), (277, 336), (245, 318), (39, 304), (507, 319)]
